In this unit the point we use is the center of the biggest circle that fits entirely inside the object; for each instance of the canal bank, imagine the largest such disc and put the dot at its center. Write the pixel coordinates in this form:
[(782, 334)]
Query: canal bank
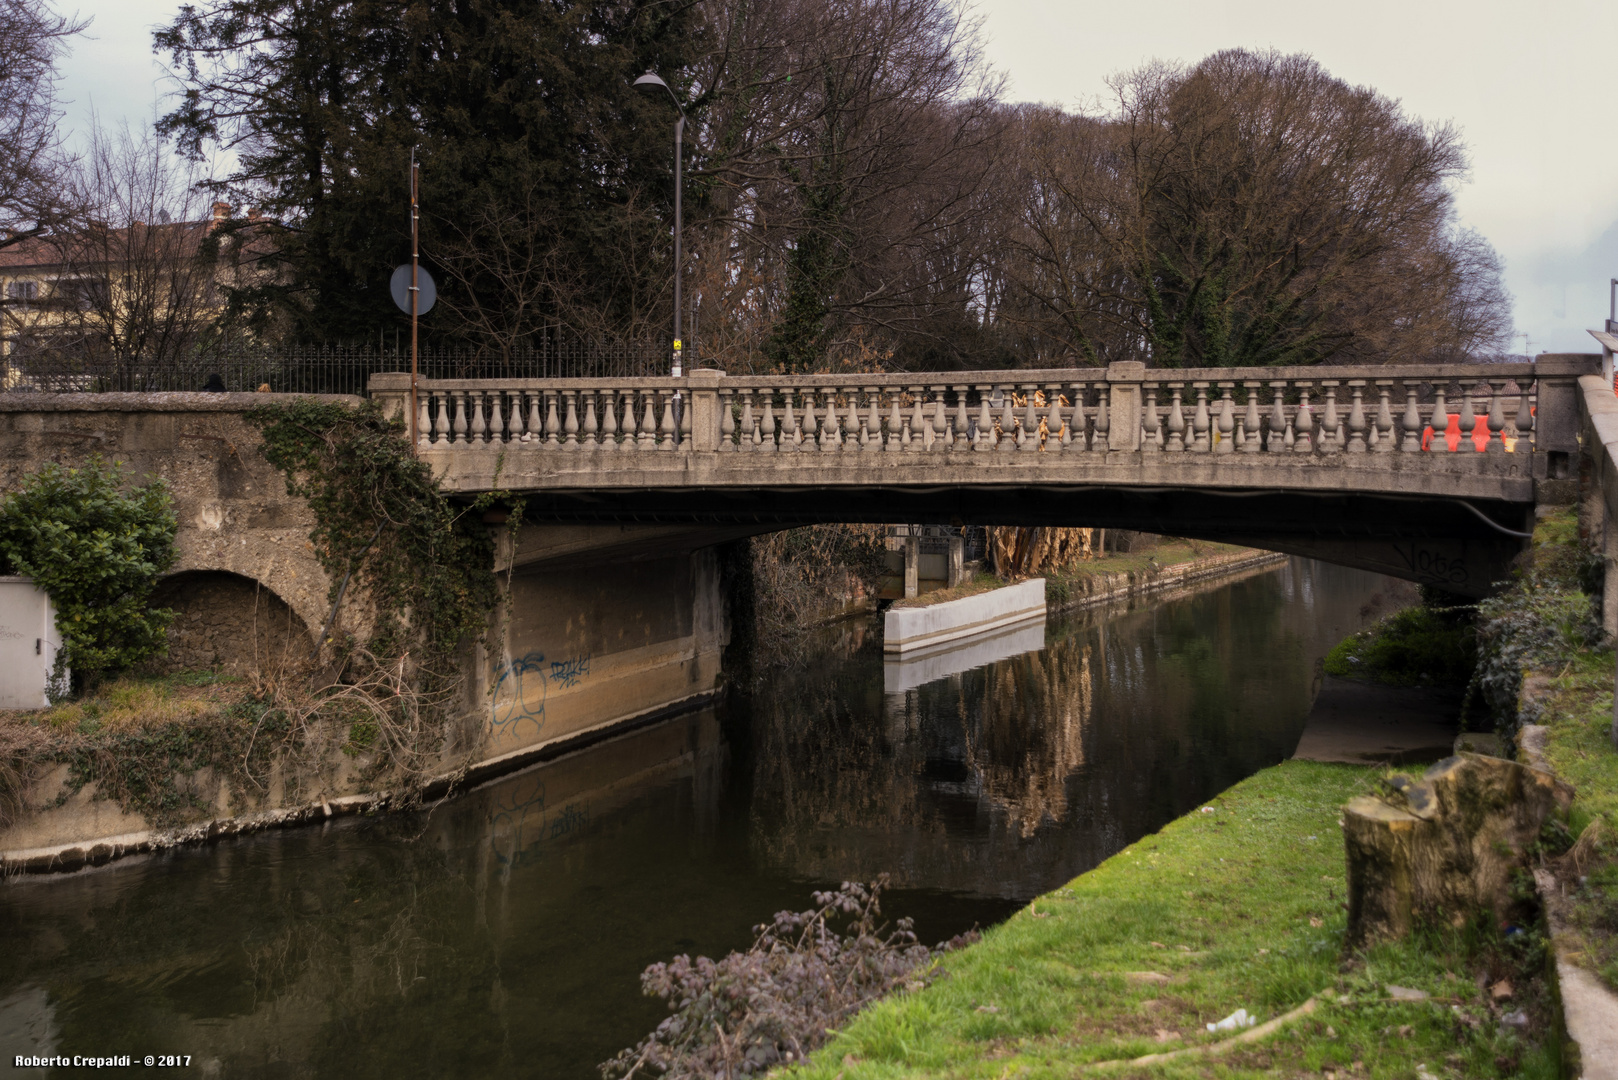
[(1237, 905), (524, 906)]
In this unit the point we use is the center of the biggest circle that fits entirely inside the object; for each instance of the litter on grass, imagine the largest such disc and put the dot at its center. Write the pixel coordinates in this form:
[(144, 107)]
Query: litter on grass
[(1234, 1022)]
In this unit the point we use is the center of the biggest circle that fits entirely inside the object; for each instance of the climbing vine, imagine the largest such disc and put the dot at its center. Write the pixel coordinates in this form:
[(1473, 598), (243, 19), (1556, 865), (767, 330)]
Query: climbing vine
[(383, 527)]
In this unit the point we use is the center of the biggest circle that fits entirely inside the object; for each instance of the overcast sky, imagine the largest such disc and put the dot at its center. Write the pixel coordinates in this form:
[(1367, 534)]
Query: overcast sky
[(1524, 81)]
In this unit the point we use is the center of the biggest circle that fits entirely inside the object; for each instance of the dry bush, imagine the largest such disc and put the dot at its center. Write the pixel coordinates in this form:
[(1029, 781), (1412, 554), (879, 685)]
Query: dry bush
[(753, 1011), (805, 577), (1017, 552)]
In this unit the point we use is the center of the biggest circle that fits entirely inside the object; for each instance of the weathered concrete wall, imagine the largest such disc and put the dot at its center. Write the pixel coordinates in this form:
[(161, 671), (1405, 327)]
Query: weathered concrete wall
[(593, 642), (235, 517)]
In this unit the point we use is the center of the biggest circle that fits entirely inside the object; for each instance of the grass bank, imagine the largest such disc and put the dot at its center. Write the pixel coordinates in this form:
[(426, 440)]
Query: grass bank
[(1237, 905), (136, 737)]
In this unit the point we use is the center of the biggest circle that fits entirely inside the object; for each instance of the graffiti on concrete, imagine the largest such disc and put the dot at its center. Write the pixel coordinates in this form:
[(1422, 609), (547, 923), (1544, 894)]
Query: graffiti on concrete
[(519, 697), (520, 687), (567, 673)]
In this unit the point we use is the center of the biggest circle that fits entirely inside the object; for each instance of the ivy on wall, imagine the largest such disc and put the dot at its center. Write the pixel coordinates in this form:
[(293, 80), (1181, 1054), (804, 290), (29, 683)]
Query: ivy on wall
[(383, 526)]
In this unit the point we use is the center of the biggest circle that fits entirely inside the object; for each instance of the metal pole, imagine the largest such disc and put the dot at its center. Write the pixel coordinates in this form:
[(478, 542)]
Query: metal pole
[(679, 266), (679, 132), (415, 291)]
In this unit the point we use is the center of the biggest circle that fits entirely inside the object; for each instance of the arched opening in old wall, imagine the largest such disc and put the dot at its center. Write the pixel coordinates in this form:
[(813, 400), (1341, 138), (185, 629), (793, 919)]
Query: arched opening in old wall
[(229, 622)]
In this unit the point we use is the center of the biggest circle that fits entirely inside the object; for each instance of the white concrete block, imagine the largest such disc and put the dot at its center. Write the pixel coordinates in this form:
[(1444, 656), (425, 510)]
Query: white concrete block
[(906, 630), (28, 643)]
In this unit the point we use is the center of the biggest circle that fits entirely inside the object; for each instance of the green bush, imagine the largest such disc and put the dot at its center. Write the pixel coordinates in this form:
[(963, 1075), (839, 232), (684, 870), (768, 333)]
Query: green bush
[(97, 550), (1416, 646)]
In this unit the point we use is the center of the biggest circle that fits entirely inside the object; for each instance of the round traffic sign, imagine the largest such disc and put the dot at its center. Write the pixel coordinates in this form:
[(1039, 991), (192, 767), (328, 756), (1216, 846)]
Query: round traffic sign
[(400, 287)]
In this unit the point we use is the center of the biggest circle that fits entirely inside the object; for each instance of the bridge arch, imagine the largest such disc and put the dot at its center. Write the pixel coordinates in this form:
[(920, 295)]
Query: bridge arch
[(229, 621)]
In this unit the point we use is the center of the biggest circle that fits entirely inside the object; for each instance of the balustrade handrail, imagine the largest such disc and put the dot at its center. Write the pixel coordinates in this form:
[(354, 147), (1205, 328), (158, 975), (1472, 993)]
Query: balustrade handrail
[(1005, 378), (1071, 411)]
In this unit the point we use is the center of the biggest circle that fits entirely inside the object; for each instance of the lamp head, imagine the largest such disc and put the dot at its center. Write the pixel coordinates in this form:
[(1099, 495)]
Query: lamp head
[(652, 83)]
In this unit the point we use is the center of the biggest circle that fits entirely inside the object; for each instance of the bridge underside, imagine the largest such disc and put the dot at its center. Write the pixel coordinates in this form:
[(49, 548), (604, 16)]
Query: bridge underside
[(1465, 546)]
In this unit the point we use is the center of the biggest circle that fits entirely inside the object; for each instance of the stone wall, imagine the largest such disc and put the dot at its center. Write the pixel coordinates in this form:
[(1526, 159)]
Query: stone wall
[(243, 543)]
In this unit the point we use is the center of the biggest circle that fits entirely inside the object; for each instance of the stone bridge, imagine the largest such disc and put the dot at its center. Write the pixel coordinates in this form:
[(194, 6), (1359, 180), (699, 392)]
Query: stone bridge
[(1337, 463)]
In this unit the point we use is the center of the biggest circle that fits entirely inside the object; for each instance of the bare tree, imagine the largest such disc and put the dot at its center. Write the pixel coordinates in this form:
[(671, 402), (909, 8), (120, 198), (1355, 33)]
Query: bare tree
[(1251, 210), (845, 147), (33, 163), (136, 278)]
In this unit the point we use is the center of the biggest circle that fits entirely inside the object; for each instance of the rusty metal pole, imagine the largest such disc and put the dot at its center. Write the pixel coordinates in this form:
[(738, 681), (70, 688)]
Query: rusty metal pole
[(415, 293)]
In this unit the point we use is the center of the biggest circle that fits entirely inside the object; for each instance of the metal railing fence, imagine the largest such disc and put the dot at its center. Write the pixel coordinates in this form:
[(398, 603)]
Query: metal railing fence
[(327, 369)]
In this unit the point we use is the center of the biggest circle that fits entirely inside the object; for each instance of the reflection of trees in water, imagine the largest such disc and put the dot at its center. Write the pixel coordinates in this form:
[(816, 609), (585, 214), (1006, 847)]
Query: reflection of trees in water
[(1010, 777), (844, 775), (1025, 731)]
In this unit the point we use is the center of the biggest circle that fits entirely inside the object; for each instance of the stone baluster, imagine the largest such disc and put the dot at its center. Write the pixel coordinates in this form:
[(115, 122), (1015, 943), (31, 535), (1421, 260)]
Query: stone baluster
[(1304, 422), (812, 436), (1278, 418), (1076, 435), (683, 435), (535, 428), (852, 422), (1055, 430), (1497, 416), (958, 436), (898, 423), (1525, 418), (630, 425), (942, 437), (1411, 421), (646, 428), (1331, 429), (831, 434), (1008, 420), (1469, 421), (1176, 440), (767, 424), (424, 425), (570, 425), (497, 417), (1227, 420), (1149, 422), (1028, 437), (791, 433), (727, 421), (460, 417), (871, 421), (1252, 422), (667, 433), (1356, 418), (749, 438), (609, 419), (516, 410), (476, 433), (590, 402), (1439, 443), (916, 425), (1103, 418), (1200, 421), (985, 435), (1383, 436)]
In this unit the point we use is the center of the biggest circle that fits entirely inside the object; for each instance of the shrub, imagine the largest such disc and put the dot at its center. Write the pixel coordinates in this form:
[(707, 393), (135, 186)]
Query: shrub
[(1407, 646), (1540, 622), (754, 1010), (97, 550)]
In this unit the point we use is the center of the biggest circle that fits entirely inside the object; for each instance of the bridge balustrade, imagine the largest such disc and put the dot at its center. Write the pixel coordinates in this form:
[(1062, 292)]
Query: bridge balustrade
[(1125, 408)]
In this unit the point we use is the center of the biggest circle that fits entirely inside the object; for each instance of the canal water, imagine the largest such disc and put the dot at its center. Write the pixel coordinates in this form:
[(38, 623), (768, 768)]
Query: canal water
[(503, 933)]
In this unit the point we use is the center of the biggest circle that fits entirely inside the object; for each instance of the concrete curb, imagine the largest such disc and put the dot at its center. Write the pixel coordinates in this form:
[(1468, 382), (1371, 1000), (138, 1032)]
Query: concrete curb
[(98, 851), (1588, 1010)]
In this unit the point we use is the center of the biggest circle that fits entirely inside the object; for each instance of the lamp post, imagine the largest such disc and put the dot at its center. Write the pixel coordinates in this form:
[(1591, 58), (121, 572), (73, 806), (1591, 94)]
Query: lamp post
[(652, 83)]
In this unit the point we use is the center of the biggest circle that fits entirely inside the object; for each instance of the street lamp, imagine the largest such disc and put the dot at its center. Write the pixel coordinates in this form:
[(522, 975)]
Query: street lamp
[(652, 83)]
